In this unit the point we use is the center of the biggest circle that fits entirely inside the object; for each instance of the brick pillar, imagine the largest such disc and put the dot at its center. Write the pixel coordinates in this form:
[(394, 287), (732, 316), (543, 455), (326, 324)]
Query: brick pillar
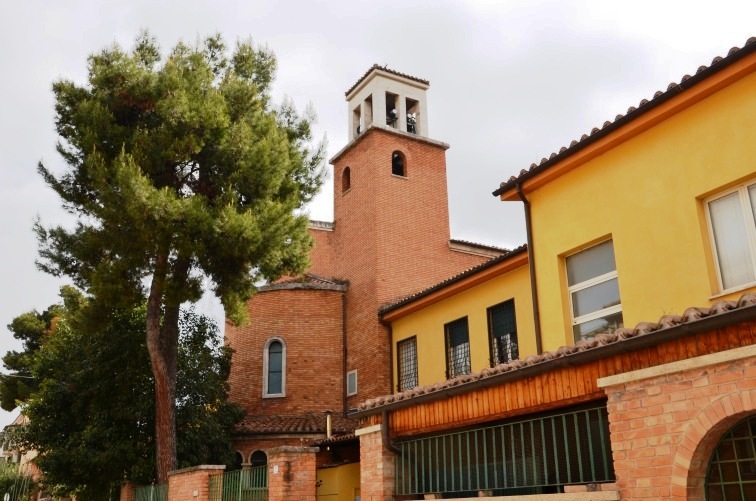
[(192, 484), (376, 466), (291, 474), (665, 421), (127, 492)]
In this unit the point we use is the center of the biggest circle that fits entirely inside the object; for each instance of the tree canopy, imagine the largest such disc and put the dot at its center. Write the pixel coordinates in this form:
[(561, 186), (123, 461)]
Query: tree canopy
[(179, 170), (92, 418)]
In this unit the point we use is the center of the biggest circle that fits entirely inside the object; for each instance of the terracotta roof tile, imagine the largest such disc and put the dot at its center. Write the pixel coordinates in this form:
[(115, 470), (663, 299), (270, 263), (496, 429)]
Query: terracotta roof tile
[(311, 422), (624, 334), (387, 70), (633, 112), (466, 273)]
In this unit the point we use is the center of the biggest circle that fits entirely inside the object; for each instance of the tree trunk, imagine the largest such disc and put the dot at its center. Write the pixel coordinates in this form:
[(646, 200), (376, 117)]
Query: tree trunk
[(163, 355)]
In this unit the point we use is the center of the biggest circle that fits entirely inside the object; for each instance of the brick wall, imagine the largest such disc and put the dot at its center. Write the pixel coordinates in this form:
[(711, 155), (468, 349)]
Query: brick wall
[(376, 466), (391, 239), (310, 323), (191, 483), (666, 421), (249, 444), (292, 474)]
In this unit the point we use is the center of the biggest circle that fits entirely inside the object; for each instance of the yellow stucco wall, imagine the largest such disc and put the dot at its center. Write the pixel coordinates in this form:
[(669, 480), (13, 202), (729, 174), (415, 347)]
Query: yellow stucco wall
[(340, 483), (428, 324), (647, 195)]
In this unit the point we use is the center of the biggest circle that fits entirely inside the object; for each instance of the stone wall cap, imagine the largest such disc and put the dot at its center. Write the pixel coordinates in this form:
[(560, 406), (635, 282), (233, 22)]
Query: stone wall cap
[(197, 468), (292, 448)]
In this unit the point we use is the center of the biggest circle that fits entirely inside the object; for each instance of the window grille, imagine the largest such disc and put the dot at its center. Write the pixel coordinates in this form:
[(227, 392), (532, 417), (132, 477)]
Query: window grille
[(502, 332), (407, 363), (457, 348), (732, 469), (539, 455)]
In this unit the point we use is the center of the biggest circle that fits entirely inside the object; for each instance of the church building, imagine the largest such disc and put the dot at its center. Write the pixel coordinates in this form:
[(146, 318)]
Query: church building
[(315, 347)]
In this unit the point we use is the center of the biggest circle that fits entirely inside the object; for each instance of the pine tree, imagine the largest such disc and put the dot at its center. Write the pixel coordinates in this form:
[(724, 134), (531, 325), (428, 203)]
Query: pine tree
[(180, 171)]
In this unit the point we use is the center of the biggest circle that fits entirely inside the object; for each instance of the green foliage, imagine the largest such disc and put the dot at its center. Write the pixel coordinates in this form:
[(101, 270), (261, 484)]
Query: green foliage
[(15, 482), (31, 328), (92, 419), (184, 158), (178, 169)]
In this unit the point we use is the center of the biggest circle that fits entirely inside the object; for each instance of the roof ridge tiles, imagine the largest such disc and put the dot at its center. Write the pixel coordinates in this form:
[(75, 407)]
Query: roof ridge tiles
[(387, 70), (645, 105), (450, 280), (621, 335)]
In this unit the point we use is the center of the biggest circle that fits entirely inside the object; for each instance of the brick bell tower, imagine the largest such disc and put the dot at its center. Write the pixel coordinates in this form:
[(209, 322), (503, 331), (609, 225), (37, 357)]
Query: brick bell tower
[(390, 235)]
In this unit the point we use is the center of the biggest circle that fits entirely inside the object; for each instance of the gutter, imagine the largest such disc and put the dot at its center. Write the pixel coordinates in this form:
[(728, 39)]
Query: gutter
[(710, 323), (344, 354), (531, 266)]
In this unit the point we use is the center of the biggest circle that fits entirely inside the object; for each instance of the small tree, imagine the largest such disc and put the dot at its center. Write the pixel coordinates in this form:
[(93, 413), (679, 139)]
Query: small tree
[(178, 170), (92, 419)]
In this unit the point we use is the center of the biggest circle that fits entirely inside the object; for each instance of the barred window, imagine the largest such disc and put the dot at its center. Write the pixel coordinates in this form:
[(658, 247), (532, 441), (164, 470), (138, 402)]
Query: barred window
[(406, 353), (502, 333), (457, 348)]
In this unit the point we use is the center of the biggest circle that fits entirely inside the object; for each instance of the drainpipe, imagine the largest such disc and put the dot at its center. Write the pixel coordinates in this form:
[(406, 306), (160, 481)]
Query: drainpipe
[(385, 435), (344, 354), (531, 265), (329, 425)]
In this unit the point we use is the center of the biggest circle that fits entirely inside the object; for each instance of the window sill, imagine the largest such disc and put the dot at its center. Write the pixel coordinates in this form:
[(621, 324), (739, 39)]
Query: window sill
[(739, 288), (398, 176), (275, 395)]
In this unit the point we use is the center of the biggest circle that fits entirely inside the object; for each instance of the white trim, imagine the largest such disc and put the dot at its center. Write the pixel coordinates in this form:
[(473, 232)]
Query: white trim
[(750, 229), (349, 394), (364, 431), (265, 393), (606, 277)]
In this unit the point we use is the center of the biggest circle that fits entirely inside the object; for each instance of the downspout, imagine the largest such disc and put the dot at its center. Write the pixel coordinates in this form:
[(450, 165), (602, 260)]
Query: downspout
[(385, 435), (531, 266), (344, 353)]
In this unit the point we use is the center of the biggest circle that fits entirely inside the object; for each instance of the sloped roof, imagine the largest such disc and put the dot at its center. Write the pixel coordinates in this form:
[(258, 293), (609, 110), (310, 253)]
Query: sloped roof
[(311, 422), (305, 281), (633, 112), (451, 280), (746, 305), (387, 70)]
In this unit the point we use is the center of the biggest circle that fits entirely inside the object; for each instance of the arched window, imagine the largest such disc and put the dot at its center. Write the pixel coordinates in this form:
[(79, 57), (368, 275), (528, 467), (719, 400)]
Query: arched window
[(258, 458), (274, 368), (732, 467), (398, 167), (346, 180), (238, 460)]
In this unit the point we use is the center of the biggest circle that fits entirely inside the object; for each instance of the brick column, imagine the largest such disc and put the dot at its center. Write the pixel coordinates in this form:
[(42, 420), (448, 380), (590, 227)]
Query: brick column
[(291, 474), (127, 492), (665, 421), (192, 484), (376, 466)]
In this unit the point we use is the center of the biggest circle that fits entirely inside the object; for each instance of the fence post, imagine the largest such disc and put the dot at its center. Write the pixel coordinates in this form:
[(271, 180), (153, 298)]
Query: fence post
[(292, 475), (127, 492), (192, 484)]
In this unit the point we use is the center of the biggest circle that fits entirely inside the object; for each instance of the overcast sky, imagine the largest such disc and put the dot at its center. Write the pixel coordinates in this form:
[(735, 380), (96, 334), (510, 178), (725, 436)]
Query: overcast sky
[(511, 82)]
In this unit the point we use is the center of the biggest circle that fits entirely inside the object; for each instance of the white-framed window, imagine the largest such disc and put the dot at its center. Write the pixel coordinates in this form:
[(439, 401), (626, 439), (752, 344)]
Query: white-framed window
[(731, 217), (594, 291), (274, 368), (351, 383)]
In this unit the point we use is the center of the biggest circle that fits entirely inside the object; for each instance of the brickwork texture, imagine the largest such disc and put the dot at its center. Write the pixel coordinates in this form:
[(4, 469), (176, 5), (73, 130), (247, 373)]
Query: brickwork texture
[(665, 429)]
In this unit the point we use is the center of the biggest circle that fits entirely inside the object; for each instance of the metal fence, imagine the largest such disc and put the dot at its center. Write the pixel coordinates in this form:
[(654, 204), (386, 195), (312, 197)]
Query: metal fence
[(240, 485), (155, 492), (531, 456)]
